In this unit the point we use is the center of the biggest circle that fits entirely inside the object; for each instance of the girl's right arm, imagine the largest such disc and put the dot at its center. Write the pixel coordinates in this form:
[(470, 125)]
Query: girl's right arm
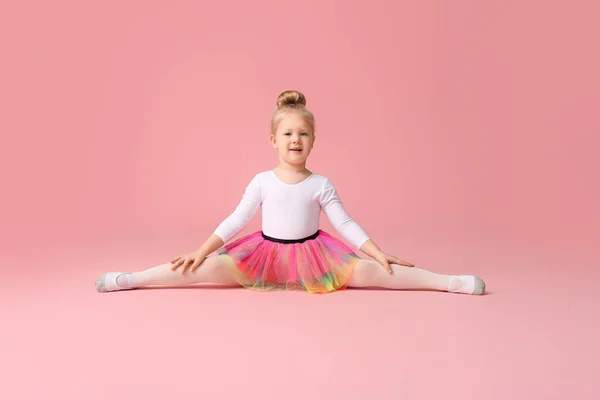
[(231, 226), (193, 260), (239, 218), (212, 243)]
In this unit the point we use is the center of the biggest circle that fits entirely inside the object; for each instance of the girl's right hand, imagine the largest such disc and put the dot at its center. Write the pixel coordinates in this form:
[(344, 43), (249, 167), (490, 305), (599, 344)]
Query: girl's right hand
[(194, 258)]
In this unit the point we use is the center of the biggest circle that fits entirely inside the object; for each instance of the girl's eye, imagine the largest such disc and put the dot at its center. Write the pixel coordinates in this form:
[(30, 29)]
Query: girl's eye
[(305, 134), (287, 134)]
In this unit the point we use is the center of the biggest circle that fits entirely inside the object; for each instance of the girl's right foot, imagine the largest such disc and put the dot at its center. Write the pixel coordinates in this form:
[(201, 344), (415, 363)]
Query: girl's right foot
[(113, 281)]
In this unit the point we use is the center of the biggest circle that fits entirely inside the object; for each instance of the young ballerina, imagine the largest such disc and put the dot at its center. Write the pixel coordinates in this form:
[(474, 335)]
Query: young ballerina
[(291, 252)]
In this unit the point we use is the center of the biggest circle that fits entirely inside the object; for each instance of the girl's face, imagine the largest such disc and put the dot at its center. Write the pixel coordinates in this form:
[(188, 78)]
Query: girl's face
[(294, 139)]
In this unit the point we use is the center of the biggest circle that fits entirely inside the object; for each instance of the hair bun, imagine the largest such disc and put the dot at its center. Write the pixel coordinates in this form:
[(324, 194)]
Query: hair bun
[(291, 98)]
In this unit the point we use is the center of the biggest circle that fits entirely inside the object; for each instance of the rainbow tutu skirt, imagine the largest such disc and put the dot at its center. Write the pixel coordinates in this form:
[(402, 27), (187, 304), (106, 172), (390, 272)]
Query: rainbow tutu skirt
[(319, 263)]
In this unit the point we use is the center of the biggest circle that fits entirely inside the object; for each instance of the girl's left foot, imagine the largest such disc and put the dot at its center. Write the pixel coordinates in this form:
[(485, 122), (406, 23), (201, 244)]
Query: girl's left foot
[(112, 281), (471, 284)]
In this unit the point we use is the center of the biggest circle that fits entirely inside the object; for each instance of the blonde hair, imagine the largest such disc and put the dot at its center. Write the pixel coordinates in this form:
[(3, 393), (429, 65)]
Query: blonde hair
[(288, 102)]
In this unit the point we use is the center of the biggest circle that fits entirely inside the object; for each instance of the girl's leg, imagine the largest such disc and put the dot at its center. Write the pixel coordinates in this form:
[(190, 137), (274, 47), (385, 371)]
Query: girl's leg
[(214, 269), (369, 273)]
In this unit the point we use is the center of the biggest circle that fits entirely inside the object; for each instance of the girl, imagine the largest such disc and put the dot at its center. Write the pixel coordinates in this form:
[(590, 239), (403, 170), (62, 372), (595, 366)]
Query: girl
[(291, 252)]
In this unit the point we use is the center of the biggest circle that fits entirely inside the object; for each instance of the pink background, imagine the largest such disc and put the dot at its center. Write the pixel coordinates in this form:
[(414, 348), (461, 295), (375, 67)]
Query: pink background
[(463, 137)]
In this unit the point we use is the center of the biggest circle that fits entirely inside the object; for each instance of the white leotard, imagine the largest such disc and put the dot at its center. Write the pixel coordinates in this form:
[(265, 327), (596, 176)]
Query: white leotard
[(291, 211)]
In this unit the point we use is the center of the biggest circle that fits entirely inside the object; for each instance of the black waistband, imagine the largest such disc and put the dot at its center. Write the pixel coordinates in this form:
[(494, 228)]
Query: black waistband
[(313, 236)]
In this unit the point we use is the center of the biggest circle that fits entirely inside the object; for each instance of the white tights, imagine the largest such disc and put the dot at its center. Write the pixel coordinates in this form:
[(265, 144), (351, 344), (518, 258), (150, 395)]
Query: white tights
[(367, 273)]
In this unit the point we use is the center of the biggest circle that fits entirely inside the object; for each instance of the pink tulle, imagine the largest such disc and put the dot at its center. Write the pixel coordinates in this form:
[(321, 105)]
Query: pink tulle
[(319, 265)]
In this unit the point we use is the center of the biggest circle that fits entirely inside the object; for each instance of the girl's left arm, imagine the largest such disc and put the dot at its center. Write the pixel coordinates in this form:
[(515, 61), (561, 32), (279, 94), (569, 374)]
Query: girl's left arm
[(333, 208), (371, 248)]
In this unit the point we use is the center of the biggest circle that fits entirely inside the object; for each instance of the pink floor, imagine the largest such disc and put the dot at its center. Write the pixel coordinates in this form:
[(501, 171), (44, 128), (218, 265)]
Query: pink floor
[(533, 336)]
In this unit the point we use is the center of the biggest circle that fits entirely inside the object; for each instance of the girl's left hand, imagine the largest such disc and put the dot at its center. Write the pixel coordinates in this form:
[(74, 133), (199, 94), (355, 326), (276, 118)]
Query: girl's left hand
[(384, 259)]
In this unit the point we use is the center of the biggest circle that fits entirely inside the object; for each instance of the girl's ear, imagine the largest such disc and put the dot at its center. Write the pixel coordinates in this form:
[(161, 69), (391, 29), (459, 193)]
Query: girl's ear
[(272, 138)]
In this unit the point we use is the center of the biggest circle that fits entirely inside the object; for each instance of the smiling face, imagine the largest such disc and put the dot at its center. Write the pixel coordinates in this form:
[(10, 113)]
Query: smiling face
[(293, 139)]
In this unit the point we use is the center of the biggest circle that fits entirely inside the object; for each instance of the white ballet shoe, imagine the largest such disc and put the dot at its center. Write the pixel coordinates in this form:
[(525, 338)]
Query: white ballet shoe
[(107, 282), (471, 284)]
